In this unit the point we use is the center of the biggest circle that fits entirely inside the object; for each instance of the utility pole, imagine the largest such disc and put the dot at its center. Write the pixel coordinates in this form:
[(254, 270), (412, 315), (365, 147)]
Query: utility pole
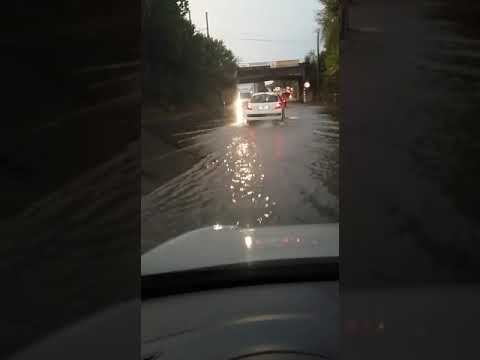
[(206, 18), (318, 65), (189, 16)]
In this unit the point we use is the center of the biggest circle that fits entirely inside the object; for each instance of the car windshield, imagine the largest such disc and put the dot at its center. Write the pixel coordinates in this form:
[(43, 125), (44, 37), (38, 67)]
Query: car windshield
[(264, 98), (228, 172)]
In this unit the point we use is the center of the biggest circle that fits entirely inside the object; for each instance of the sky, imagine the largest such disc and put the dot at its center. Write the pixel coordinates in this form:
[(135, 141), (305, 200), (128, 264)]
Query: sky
[(265, 30)]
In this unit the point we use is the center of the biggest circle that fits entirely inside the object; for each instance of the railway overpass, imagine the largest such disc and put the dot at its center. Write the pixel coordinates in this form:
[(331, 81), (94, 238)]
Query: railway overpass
[(275, 70)]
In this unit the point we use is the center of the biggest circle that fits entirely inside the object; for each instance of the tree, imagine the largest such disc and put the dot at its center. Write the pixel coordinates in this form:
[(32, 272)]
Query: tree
[(184, 7), (311, 68), (182, 66), (329, 20)]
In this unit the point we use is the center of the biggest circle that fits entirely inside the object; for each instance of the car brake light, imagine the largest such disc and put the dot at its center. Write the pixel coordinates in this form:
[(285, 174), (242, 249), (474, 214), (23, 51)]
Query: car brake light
[(249, 106)]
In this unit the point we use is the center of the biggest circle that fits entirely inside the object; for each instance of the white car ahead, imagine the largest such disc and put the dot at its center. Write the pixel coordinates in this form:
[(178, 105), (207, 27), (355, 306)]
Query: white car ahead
[(265, 106)]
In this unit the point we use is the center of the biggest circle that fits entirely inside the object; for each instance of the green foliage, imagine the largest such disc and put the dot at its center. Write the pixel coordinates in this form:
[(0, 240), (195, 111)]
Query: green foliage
[(329, 19), (311, 63), (182, 66), (184, 7)]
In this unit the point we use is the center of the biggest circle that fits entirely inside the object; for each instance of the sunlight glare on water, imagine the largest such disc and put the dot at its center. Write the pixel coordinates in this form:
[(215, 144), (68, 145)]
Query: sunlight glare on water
[(246, 180), (248, 241), (239, 116)]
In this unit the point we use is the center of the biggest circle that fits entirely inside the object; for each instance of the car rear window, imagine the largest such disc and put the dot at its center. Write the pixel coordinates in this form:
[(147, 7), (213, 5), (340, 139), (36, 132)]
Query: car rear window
[(264, 98)]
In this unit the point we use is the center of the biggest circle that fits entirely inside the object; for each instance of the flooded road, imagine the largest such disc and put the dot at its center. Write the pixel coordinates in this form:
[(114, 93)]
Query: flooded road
[(249, 176)]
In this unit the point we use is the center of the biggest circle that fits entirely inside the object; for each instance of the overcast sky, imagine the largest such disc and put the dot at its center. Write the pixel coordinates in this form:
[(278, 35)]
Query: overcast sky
[(260, 30)]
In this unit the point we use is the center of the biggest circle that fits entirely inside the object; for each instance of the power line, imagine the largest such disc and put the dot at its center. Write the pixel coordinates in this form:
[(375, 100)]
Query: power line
[(272, 40), (262, 40)]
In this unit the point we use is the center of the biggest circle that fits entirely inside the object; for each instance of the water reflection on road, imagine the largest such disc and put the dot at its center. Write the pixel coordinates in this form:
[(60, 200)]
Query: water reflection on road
[(246, 178), (250, 176)]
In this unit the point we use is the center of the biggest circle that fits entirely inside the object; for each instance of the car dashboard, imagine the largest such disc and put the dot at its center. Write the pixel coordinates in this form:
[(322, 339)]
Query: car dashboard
[(296, 320)]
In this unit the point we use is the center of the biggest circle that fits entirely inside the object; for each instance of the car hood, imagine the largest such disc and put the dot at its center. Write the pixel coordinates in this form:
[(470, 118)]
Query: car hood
[(226, 245)]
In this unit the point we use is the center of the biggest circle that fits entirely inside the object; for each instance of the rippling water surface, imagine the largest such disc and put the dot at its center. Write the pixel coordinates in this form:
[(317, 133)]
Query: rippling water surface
[(250, 176)]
